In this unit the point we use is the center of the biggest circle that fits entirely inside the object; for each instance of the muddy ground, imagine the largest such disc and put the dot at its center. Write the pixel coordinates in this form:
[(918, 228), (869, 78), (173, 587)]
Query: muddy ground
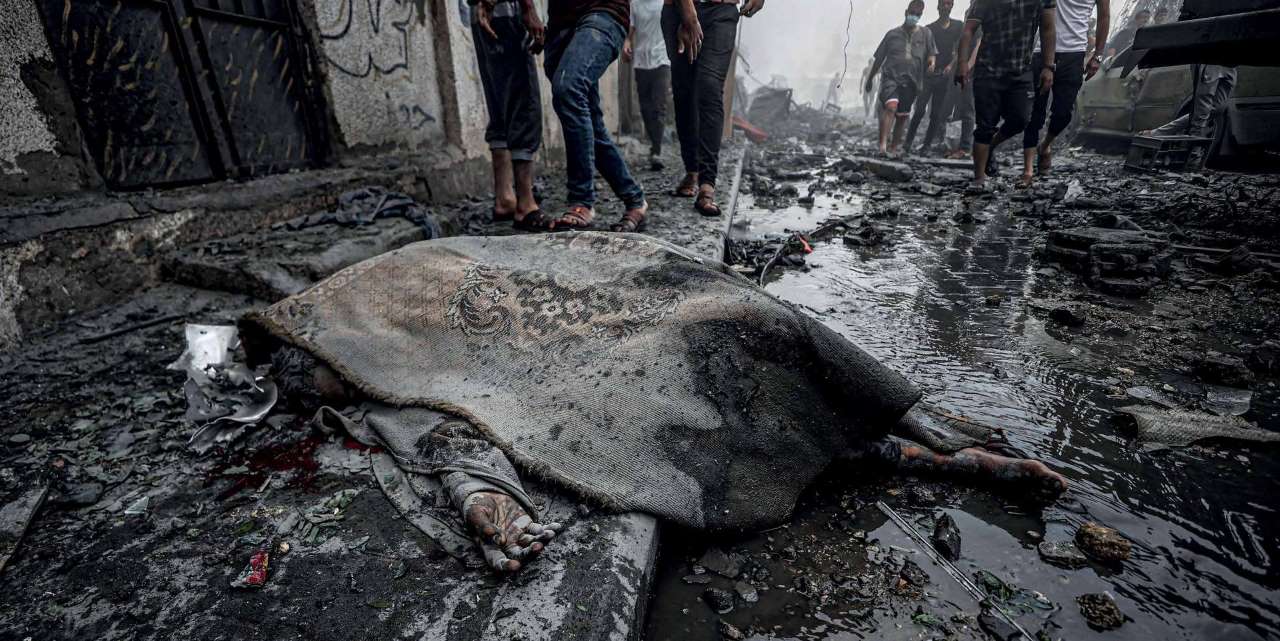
[(964, 295)]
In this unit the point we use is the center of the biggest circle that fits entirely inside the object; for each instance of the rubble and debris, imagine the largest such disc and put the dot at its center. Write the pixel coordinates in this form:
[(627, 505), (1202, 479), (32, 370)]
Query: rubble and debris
[(1223, 369), (720, 601), (254, 575), (946, 537), (15, 519), (722, 563), (1102, 543), (1063, 554), (1118, 261), (1101, 611), (729, 631)]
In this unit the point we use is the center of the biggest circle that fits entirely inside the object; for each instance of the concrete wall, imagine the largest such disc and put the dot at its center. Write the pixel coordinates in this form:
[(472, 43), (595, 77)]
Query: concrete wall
[(382, 73), (39, 150)]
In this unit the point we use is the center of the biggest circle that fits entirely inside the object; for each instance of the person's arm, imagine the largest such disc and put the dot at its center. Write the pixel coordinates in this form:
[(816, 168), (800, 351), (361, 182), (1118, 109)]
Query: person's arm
[(1048, 43), (628, 43), (875, 66), (752, 7), (533, 25), (689, 36), (932, 60), (1100, 39), (967, 52)]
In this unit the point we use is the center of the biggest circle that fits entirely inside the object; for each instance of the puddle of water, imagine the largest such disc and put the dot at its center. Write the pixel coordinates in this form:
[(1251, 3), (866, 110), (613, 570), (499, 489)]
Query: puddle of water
[(1203, 520)]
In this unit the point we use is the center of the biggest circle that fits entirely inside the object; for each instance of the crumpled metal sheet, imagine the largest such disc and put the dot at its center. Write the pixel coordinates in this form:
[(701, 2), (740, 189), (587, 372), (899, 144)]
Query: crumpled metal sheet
[(224, 397), (1178, 428)]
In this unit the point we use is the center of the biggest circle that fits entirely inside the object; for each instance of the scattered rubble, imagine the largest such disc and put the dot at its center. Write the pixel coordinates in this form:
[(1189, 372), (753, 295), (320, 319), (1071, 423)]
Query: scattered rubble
[(1101, 611), (1063, 554), (1102, 543), (946, 537)]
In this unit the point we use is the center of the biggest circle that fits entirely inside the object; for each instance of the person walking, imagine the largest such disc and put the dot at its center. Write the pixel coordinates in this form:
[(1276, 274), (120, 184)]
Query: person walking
[(1001, 74), (583, 38), (507, 33), (646, 48), (939, 95), (700, 38), (906, 54), (1071, 35)]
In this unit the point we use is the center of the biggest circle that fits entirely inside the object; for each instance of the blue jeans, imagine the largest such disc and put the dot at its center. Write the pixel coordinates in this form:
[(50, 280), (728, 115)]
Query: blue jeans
[(575, 60)]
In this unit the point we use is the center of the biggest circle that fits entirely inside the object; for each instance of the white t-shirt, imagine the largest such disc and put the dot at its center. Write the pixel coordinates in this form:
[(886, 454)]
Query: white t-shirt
[(1072, 26), (649, 46)]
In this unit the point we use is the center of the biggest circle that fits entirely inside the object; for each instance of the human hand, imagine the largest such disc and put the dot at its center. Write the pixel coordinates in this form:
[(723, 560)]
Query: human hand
[(509, 537), (1091, 67), (536, 30), (689, 39), (484, 18), (962, 75), (1046, 80), (751, 7), (627, 50)]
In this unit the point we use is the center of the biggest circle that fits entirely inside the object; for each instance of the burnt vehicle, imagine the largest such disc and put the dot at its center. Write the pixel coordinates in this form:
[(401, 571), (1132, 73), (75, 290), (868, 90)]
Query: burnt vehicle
[(1114, 106), (1120, 102)]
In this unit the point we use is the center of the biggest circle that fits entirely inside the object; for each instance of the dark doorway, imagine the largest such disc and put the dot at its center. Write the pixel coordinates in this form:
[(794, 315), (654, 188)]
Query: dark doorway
[(174, 92)]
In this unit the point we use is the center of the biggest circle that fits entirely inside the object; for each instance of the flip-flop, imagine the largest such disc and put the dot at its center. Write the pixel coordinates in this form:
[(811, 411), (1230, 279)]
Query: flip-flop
[(532, 221)]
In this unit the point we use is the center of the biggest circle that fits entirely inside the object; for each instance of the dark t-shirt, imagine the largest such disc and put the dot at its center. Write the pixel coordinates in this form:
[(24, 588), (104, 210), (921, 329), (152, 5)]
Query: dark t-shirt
[(564, 14), (946, 39)]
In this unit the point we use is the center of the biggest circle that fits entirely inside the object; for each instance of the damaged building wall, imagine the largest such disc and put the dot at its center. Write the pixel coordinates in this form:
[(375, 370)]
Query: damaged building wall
[(39, 152), (382, 73)]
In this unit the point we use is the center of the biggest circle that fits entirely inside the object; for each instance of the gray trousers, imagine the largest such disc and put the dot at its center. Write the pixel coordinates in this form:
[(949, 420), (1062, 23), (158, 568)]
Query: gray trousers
[(1213, 88)]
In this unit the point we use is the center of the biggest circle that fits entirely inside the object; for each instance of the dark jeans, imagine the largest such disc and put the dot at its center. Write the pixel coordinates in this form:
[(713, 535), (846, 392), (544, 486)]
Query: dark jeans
[(575, 59), (1067, 79), (938, 97), (510, 80), (1000, 98), (697, 88), (652, 86)]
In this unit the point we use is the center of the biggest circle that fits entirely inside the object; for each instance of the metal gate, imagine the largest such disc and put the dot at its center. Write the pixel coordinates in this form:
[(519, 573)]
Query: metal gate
[(173, 92)]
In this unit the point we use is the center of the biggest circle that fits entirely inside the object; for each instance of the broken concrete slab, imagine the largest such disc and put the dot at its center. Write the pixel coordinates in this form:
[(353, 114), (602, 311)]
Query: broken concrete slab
[(1123, 262), (897, 172)]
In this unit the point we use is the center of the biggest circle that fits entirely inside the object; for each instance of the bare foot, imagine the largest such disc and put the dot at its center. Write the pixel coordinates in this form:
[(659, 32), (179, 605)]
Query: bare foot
[(508, 535), (1026, 181), (688, 186)]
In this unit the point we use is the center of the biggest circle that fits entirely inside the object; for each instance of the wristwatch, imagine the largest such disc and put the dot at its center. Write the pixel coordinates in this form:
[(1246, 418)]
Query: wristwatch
[(1051, 66)]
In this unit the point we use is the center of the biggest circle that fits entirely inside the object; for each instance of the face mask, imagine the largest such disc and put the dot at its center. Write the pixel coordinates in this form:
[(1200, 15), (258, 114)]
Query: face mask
[(912, 20)]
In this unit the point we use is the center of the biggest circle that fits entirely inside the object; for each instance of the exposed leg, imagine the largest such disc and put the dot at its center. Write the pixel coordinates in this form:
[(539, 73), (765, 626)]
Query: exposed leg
[(973, 463), (504, 194), (525, 202), (887, 117)]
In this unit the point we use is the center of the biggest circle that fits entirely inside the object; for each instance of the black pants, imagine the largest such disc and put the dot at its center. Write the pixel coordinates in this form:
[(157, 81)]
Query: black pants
[(509, 76), (697, 88), (1001, 103), (652, 86), (1067, 79), (937, 97)]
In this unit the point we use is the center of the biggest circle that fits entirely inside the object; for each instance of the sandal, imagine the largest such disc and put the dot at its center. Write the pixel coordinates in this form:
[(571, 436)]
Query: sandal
[(688, 187), (706, 205), (635, 220), (577, 217), (532, 221)]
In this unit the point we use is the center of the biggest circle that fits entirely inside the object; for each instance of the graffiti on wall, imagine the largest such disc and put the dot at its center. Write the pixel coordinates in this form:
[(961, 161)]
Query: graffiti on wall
[(379, 32)]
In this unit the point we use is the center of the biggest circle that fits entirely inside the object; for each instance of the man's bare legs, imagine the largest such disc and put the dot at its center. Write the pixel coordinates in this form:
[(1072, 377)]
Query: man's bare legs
[(888, 113), (899, 131), (982, 157), (504, 193), (525, 203)]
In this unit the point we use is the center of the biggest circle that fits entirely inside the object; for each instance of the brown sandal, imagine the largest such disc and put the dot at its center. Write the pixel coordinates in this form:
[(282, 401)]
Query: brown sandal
[(635, 220), (706, 205), (577, 217), (688, 188)]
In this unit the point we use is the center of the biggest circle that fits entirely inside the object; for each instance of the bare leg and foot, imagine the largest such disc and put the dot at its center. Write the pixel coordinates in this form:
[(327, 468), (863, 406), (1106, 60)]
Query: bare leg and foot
[(504, 193), (887, 119)]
